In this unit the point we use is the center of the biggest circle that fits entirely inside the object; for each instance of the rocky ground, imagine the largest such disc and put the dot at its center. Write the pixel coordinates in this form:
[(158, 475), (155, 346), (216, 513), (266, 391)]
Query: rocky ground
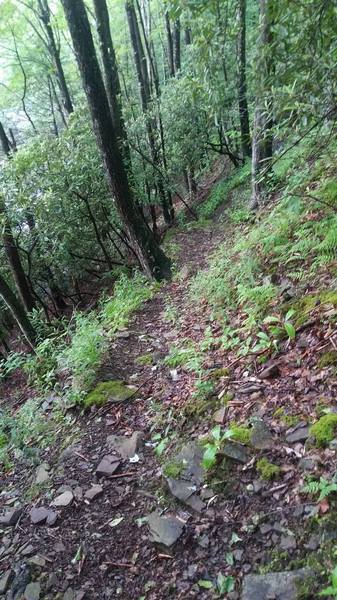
[(100, 517)]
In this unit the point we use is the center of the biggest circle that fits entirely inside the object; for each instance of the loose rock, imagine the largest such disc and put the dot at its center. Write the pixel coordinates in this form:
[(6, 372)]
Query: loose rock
[(93, 492), (261, 438), (236, 452), (269, 372), (126, 447), (63, 500), (10, 518), (108, 465), (32, 591), (164, 530), (282, 586), (6, 580), (300, 434)]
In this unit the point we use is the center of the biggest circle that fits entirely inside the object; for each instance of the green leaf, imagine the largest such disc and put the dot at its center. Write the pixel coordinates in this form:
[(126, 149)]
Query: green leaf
[(289, 314), (209, 457), (334, 577), (230, 558), (160, 449), (225, 583), (290, 329), (271, 319), (216, 433), (204, 583), (235, 538)]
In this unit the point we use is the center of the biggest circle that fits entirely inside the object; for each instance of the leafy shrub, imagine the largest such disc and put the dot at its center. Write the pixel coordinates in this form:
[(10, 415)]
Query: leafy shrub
[(129, 294)]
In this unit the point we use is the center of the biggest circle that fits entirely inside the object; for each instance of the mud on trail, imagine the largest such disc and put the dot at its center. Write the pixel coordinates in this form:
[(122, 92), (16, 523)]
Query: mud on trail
[(148, 522)]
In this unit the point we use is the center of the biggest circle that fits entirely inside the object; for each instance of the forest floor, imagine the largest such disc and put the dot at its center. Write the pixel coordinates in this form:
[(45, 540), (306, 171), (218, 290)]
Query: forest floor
[(151, 522)]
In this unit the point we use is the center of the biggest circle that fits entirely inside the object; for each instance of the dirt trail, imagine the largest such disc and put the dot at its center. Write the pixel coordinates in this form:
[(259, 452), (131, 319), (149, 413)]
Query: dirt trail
[(102, 548)]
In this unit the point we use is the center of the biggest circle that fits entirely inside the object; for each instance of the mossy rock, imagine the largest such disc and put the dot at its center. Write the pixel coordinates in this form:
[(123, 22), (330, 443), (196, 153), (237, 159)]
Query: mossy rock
[(324, 430), (267, 470), (307, 303), (108, 391), (145, 359), (173, 469), (198, 407), (240, 433), (217, 373), (328, 359)]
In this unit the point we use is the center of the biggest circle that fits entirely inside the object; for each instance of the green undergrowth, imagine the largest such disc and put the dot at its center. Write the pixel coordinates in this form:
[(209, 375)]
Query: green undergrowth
[(325, 429), (221, 191), (288, 245)]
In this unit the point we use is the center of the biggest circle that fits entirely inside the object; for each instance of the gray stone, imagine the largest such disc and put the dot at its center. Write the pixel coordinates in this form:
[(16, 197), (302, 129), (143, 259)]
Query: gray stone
[(219, 415), (38, 516), (41, 474), (191, 457), (108, 465), (126, 447), (313, 543), (195, 502), (27, 550), (181, 489), (269, 372), (63, 500), (6, 580), (164, 530), (281, 586), (236, 452), (266, 528), (300, 434), (69, 594), (261, 438), (93, 492), (52, 581), (10, 518), (288, 542), (51, 518), (32, 591), (307, 464)]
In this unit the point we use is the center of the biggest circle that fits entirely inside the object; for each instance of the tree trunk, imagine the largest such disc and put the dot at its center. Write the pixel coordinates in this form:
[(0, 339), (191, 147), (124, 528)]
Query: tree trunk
[(170, 51), (17, 311), (112, 83), (11, 250), (153, 260), (242, 81), (145, 94), (176, 37), (262, 146), (54, 51)]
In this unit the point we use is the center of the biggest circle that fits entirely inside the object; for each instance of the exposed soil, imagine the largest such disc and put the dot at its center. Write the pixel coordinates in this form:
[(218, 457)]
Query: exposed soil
[(102, 549)]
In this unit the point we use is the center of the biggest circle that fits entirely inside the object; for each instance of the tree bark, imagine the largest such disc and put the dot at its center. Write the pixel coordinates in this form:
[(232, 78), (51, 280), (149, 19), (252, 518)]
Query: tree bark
[(54, 51), (262, 146), (112, 82), (11, 249), (153, 260), (18, 312), (242, 81), (170, 50), (177, 45)]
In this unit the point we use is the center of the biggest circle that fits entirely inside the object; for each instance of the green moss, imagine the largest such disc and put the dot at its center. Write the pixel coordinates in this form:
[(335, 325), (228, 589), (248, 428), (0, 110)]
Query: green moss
[(217, 373), (240, 433), (3, 440), (327, 359), (307, 303), (199, 407), (324, 429), (145, 359), (267, 470), (113, 391), (288, 420), (173, 469)]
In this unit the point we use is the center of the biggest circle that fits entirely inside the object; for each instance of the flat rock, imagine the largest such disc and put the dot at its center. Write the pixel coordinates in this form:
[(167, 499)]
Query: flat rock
[(280, 586), (307, 464), (32, 591), (6, 580), (42, 474), (236, 452), (108, 465), (261, 438), (69, 594), (164, 530), (300, 434), (93, 492), (38, 516), (11, 517), (126, 447), (181, 489), (63, 500), (219, 415), (288, 542), (191, 457), (269, 372)]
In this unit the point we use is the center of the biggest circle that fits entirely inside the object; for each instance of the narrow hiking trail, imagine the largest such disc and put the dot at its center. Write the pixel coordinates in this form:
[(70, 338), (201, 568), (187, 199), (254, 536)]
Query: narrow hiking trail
[(102, 521)]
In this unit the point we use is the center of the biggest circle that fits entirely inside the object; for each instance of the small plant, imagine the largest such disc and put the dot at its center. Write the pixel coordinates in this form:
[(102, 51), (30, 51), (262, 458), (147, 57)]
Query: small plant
[(186, 356), (280, 325), (214, 446), (331, 590), (323, 487), (14, 361)]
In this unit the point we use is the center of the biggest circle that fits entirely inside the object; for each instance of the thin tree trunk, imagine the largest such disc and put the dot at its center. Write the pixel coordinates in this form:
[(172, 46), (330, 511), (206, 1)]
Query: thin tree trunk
[(54, 51), (112, 82), (262, 145), (5, 143), (177, 44), (242, 81), (18, 312), (153, 260), (170, 50)]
